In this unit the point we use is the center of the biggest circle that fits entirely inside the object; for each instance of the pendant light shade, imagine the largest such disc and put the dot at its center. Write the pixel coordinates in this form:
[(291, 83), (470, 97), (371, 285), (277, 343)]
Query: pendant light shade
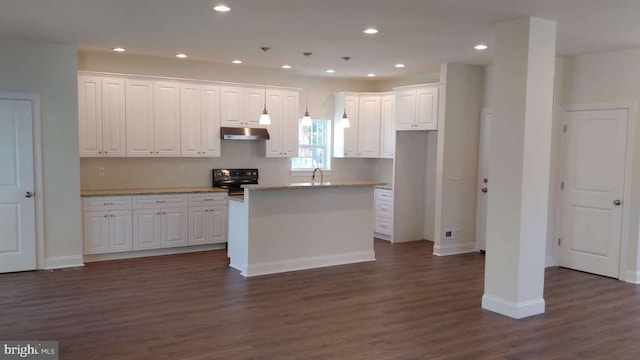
[(344, 122), (265, 119), (306, 119)]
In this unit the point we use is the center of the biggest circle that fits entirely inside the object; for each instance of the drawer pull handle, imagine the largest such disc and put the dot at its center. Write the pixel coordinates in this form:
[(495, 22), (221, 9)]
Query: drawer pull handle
[(161, 201), (107, 203), (208, 199)]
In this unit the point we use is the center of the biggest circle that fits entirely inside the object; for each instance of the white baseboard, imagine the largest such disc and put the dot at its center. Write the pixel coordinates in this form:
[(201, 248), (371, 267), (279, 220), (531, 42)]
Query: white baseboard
[(382, 236), (152, 252), (63, 262), (454, 249), (632, 277), (511, 309), (550, 261), (306, 263)]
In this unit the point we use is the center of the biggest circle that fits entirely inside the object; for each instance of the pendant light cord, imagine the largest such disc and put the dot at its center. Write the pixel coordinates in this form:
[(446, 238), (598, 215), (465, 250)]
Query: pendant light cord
[(265, 49)]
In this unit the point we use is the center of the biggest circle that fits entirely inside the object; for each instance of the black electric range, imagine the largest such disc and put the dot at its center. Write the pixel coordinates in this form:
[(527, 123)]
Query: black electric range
[(233, 179)]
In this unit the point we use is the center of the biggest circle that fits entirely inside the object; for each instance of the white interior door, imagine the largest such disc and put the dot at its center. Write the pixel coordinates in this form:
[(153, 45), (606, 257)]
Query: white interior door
[(596, 143), (483, 180), (17, 207)]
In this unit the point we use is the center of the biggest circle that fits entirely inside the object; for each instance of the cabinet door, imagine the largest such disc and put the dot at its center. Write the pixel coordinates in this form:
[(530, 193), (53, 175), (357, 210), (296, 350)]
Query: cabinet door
[(369, 126), (174, 228), (96, 232), (198, 225), (217, 232), (139, 117), (405, 109), (274, 105), (351, 133), (231, 106), (190, 113), (427, 109), (120, 231), (253, 107), (387, 130), (90, 116), (166, 115), (114, 140), (210, 121), (146, 229), (290, 116)]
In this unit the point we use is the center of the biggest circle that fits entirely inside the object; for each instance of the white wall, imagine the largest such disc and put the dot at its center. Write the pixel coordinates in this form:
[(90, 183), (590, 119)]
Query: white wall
[(133, 172), (610, 77), (458, 133), (50, 71)]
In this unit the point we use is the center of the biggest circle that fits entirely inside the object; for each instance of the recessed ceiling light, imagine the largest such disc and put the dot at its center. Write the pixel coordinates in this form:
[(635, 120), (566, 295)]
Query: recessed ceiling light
[(286, 66), (118, 49), (371, 75), (221, 8), (237, 61), (371, 31), (481, 47), (399, 65), (331, 71), (181, 56)]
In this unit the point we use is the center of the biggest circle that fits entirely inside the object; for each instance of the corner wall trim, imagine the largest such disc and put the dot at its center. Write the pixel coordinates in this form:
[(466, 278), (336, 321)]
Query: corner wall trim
[(511, 309), (632, 277), (63, 262), (306, 263), (454, 249)]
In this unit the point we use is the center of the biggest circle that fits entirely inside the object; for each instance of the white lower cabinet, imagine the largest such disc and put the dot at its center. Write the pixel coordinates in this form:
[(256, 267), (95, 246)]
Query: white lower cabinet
[(384, 212), (144, 222)]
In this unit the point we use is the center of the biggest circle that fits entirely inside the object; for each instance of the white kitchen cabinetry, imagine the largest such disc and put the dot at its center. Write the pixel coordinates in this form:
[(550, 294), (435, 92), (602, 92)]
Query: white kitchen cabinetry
[(346, 139), (384, 212), (139, 115), (241, 106), (101, 116), (199, 120), (107, 225), (166, 119), (283, 107), (387, 127), (159, 221), (417, 108), (207, 219), (369, 126)]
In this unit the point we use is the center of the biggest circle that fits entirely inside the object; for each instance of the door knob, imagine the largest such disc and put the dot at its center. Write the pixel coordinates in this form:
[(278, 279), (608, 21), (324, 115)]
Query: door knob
[(617, 202), (484, 190), (28, 194)]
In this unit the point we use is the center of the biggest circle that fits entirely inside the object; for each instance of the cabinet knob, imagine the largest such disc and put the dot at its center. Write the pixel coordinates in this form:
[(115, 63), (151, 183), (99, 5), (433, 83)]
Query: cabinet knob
[(106, 216), (151, 152), (106, 152), (158, 213), (99, 152)]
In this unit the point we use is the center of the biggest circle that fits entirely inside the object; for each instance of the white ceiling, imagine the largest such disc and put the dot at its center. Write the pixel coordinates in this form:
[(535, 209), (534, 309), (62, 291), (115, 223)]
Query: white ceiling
[(415, 32)]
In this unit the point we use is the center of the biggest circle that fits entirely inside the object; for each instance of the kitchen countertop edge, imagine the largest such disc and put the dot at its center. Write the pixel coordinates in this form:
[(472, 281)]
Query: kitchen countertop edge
[(307, 186), (159, 191)]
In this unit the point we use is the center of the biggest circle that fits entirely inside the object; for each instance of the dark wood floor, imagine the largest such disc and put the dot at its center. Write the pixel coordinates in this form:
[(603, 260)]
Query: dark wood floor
[(407, 305)]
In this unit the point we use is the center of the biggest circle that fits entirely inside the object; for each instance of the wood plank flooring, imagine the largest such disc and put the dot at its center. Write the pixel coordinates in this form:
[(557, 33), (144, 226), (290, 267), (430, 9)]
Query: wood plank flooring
[(407, 305)]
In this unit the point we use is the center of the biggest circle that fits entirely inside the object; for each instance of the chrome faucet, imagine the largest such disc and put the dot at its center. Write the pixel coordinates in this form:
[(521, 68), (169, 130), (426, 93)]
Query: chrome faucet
[(313, 176)]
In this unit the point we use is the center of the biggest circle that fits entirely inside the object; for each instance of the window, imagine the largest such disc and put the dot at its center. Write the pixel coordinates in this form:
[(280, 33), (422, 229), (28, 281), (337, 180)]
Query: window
[(314, 146)]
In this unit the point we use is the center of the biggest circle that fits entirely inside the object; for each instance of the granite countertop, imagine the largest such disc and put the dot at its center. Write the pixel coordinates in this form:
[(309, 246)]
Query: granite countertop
[(316, 185), (239, 198), (124, 192), (384, 187)]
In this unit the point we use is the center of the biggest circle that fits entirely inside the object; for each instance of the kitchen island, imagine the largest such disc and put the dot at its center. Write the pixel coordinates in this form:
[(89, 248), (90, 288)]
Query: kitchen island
[(287, 227)]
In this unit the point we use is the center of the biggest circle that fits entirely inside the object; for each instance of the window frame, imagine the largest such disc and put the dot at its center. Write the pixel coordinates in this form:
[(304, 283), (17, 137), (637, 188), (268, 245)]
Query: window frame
[(326, 146)]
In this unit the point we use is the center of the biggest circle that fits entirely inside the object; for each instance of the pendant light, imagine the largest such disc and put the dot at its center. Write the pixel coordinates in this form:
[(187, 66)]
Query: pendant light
[(306, 119), (265, 119), (344, 122)]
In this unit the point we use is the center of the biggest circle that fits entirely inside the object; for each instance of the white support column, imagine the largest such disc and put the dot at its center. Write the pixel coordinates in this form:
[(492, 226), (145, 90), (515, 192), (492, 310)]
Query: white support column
[(519, 174)]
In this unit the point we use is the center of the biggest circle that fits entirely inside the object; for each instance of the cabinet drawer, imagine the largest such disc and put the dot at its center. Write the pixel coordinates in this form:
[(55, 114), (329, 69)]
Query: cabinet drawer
[(383, 194), (106, 203), (208, 199), (384, 209), (384, 226), (159, 201)]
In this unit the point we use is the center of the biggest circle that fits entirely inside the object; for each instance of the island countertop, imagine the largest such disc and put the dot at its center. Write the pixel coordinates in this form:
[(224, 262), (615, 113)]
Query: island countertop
[(163, 191), (314, 185)]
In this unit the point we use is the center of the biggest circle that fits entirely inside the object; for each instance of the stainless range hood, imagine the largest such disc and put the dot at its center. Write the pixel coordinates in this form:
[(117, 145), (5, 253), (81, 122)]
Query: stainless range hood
[(230, 133)]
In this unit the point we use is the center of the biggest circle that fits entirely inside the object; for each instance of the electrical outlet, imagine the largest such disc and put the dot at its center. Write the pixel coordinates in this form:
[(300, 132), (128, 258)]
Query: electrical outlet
[(451, 234), (101, 171), (181, 170)]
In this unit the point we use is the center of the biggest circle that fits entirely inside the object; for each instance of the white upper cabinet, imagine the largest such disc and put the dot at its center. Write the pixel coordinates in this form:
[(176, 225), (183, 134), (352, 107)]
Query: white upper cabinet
[(101, 116), (139, 113), (199, 120), (283, 107), (387, 127), (417, 108), (345, 144), (369, 126), (241, 106), (166, 114)]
